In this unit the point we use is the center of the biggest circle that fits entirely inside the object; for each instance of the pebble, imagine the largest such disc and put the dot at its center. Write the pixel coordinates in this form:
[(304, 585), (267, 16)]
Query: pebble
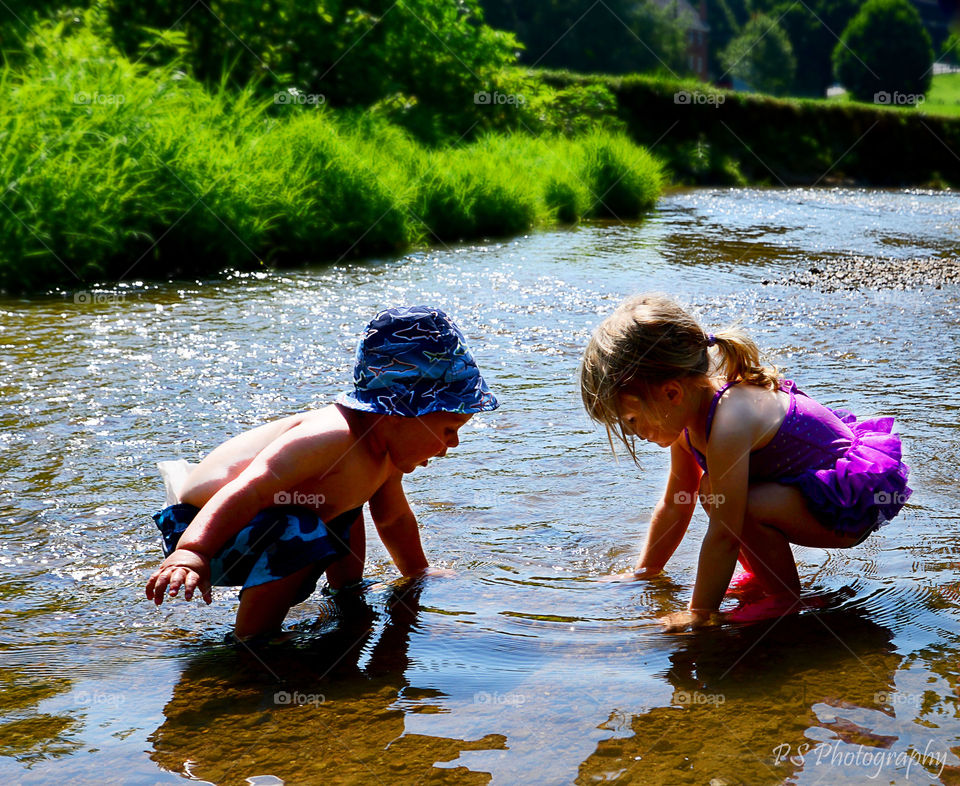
[(848, 273)]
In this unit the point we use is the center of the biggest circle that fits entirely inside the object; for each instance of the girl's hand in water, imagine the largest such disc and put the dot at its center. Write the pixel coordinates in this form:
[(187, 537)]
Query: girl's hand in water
[(631, 575), (443, 573), (183, 568), (689, 620)]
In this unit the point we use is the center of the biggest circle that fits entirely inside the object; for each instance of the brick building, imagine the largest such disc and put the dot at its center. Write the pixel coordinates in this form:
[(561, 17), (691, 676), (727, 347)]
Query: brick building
[(698, 32)]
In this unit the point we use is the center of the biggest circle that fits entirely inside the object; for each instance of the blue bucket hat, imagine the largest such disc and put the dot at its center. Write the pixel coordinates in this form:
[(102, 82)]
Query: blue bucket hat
[(412, 361)]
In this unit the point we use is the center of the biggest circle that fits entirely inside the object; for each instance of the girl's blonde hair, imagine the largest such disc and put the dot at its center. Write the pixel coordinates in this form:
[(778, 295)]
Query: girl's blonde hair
[(650, 340)]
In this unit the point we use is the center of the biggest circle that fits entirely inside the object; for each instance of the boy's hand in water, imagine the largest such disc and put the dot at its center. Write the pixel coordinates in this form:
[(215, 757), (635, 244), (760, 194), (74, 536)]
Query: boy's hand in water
[(183, 568), (689, 620)]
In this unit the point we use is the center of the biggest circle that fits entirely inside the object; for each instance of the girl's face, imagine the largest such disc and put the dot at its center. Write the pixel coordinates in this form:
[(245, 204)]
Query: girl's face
[(658, 420)]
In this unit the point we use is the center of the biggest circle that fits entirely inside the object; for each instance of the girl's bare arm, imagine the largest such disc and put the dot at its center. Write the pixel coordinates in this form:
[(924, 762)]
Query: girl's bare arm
[(672, 515), (728, 456)]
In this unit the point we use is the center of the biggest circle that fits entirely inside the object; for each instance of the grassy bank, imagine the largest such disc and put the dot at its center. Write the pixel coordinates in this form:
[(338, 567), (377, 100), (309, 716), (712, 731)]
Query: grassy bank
[(114, 172), (712, 136), (944, 96)]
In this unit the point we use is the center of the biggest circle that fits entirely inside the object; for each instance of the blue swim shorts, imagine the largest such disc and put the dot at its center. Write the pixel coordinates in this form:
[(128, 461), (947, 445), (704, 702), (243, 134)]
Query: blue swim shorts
[(278, 542)]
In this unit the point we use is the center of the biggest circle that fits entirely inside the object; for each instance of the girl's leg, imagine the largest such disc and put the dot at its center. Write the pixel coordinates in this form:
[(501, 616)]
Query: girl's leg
[(766, 553), (777, 515), (264, 607)]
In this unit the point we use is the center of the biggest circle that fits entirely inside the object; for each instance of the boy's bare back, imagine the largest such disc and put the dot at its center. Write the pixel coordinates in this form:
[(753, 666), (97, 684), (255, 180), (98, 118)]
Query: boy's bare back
[(346, 484)]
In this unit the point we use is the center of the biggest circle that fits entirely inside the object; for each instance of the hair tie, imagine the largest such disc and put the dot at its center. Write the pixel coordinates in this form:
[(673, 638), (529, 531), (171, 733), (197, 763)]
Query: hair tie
[(711, 339)]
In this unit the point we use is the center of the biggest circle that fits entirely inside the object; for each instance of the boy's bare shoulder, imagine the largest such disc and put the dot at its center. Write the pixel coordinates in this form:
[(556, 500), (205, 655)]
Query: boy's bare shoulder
[(326, 426)]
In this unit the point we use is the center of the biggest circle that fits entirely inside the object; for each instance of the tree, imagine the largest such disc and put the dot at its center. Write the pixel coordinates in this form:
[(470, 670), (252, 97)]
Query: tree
[(762, 56), (616, 36), (950, 52), (726, 19), (814, 27), (885, 49)]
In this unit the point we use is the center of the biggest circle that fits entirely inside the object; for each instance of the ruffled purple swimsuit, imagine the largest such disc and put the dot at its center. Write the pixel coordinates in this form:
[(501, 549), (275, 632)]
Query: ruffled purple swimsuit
[(850, 473)]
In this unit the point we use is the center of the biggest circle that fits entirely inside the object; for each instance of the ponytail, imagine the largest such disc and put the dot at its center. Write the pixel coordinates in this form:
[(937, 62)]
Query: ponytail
[(739, 359)]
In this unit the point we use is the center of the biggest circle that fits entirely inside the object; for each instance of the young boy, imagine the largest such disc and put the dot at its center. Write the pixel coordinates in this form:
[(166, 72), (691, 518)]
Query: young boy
[(275, 507)]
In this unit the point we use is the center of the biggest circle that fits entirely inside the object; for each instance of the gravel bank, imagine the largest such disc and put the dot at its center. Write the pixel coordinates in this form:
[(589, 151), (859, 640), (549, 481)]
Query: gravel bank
[(830, 275)]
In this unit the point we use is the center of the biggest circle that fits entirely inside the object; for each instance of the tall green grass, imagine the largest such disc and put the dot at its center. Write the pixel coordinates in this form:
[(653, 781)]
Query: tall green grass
[(109, 172)]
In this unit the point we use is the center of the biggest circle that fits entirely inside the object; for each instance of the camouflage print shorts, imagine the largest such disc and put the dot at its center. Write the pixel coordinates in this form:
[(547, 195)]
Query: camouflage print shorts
[(278, 542)]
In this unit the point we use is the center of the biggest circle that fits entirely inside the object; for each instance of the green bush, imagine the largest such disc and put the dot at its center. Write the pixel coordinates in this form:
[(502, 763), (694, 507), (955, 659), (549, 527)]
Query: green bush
[(323, 195), (430, 57), (884, 52), (475, 191), (624, 180), (950, 51), (729, 137)]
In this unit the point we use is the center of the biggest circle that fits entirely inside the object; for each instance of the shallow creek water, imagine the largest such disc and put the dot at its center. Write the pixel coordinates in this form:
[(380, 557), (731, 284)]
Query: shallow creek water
[(524, 666)]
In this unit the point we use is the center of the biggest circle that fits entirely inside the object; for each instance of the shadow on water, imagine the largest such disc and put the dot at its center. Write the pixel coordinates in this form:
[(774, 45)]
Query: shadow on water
[(745, 704), (324, 706), (743, 700)]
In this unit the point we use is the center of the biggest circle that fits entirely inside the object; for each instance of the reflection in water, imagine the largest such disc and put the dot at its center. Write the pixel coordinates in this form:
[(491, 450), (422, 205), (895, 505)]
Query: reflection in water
[(523, 667), (744, 698), (26, 734), (326, 706)]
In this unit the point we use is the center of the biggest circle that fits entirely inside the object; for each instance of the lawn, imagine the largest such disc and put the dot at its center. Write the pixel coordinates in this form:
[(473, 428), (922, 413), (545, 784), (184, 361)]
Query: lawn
[(942, 99), (944, 95)]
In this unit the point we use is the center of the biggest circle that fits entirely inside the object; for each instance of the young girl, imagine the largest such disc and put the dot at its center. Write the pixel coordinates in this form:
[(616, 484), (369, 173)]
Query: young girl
[(770, 465)]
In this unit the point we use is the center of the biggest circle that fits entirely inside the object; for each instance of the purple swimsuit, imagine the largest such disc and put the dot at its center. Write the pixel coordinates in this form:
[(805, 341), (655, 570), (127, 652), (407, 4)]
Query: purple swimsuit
[(850, 473)]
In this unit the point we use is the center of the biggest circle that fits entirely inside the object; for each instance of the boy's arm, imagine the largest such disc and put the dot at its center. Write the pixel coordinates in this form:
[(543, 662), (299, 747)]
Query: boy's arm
[(672, 515), (397, 526), (297, 455)]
